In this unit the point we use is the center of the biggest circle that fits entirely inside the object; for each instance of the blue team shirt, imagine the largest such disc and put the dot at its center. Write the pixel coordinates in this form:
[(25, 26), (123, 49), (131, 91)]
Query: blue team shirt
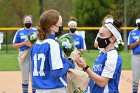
[(48, 66), (79, 41), (108, 65), (22, 35), (132, 38)]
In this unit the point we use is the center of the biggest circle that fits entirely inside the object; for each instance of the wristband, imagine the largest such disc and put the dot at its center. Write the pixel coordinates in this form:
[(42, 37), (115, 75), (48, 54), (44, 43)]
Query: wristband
[(85, 69)]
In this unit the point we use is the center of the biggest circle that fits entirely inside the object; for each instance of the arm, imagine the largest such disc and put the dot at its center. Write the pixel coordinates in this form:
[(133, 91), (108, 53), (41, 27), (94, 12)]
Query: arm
[(18, 45), (61, 72), (83, 45), (132, 46), (131, 43), (95, 42), (58, 65), (99, 80)]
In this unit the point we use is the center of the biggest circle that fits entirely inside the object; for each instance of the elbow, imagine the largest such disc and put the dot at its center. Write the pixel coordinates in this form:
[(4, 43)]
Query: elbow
[(14, 46), (129, 47), (102, 85)]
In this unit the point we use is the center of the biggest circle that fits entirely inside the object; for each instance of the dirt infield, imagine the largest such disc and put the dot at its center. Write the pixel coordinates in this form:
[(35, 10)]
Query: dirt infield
[(10, 82)]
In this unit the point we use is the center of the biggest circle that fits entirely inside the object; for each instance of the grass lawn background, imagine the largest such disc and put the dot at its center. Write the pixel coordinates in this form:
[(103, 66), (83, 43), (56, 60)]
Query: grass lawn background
[(8, 61)]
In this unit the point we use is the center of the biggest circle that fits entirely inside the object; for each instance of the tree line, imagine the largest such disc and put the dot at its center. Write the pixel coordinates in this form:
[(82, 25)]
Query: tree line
[(87, 12)]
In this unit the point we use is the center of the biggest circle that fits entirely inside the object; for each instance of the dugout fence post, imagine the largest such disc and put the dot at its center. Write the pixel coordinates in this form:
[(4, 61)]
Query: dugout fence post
[(6, 41)]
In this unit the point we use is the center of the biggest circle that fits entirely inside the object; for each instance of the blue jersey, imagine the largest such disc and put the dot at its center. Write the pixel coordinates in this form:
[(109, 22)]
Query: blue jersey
[(79, 41), (48, 66), (22, 35), (134, 36), (107, 65)]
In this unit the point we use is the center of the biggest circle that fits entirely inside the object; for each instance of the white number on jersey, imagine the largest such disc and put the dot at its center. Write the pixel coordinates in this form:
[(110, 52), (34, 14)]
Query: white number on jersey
[(36, 58)]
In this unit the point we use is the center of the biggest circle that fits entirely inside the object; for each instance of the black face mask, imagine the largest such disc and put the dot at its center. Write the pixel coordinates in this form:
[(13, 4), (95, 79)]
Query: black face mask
[(103, 42), (138, 25), (27, 25), (72, 30), (59, 32)]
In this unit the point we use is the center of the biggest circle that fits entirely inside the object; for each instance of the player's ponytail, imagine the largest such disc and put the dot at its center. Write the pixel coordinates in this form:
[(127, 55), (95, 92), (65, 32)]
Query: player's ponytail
[(47, 19)]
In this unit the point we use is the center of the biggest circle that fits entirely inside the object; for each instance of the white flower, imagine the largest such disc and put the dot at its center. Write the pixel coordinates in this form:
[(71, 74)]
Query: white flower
[(116, 45), (119, 45), (122, 43), (118, 41), (67, 45), (33, 36)]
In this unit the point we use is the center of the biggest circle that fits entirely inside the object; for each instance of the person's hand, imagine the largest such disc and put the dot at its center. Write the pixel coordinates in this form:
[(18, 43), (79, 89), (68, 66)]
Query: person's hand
[(27, 43), (139, 40), (75, 55), (81, 62)]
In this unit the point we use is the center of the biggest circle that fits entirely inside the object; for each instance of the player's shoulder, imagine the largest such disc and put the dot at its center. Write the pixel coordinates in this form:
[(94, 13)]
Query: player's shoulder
[(33, 28), (49, 41), (112, 53), (78, 36), (21, 29), (134, 30)]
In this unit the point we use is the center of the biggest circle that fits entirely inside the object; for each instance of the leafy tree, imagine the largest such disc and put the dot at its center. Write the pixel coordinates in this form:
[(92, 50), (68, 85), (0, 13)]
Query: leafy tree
[(90, 13), (132, 10), (14, 10), (63, 6)]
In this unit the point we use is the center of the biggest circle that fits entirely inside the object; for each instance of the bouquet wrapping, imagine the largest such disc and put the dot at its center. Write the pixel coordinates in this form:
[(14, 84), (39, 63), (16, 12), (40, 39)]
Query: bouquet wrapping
[(32, 38), (77, 79)]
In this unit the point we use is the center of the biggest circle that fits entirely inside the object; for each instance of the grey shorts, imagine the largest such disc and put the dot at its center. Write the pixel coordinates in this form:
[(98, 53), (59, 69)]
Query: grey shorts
[(57, 90), (135, 63), (25, 68)]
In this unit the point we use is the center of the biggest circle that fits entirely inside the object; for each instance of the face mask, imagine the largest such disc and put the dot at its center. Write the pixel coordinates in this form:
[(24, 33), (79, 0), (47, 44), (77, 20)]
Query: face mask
[(59, 31), (28, 25), (103, 42), (72, 30)]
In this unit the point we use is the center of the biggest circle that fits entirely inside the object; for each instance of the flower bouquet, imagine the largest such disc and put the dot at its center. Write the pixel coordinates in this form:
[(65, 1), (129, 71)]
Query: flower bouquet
[(76, 78), (67, 44), (119, 45), (32, 38)]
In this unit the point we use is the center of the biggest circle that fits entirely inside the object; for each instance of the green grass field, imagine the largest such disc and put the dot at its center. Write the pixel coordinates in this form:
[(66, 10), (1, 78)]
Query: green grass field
[(8, 61)]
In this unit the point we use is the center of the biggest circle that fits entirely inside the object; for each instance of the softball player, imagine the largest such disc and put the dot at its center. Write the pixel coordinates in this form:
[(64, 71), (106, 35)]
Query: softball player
[(48, 66), (134, 45), (105, 75), (79, 41), (20, 42)]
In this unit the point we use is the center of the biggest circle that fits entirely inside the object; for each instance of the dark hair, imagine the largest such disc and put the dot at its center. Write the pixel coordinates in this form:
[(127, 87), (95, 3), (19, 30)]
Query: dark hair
[(117, 23), (47, 19)]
